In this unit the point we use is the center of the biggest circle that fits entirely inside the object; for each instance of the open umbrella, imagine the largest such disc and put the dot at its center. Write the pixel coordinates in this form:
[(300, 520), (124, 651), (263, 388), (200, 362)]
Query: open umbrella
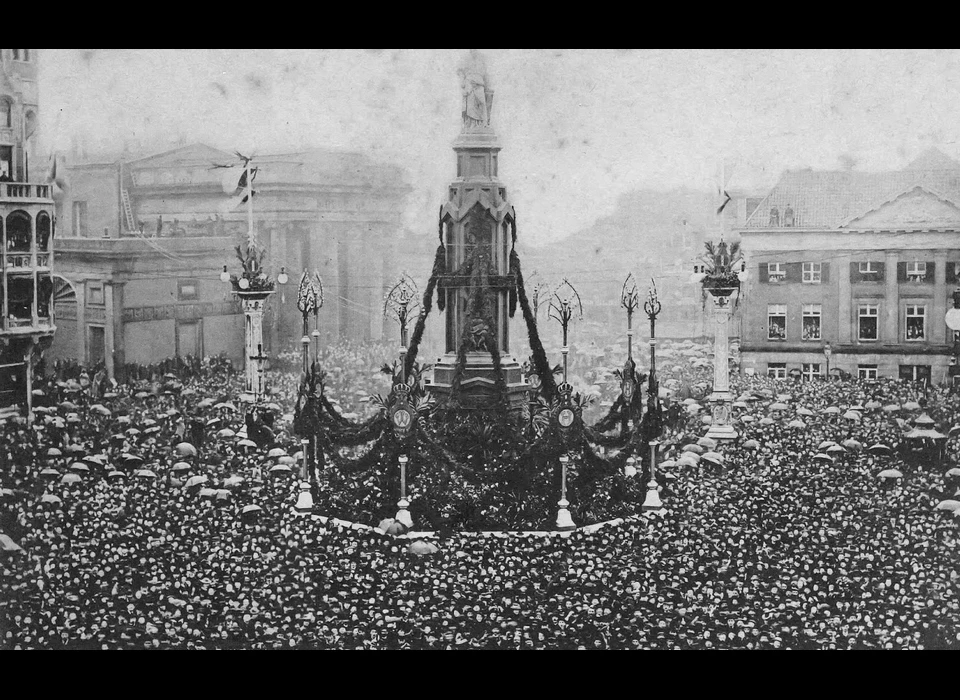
[(873, 405), (280, 469), (422, 548), (765, 420), (692, 448), (751, 445), (797, 423), (185, 449), (687, 460), (286, 459), (880, 449), (713, 458), (54, 452), (835, 450), (823, 457), (225, 433), (116, 475), (852, 415), (690, 456), (6, 492), (98, 460), (68, 405), (75, 449), (804, 411), (181, 467), (852, 444), (70, 479), (832, 409), (911, 406), (748, 419), (8, 545), (709, 443), (955, 471), (392, 527), (206, 492), (277, 452), (223, 494), (253, 508), (924, 421), (100, 409), (825, 444), (890, 474), (48, 472), (891, 408), (949, 505), (779, 406), (79, 467), (145, 473), (954, 431), (196, 480), (205, 403), (246, 443), (50, 498), (924, 434), (129, 460), (233, 480)]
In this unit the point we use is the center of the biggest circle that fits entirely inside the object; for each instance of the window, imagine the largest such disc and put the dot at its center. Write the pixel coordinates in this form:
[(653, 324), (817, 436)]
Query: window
[(6, 112), (867, 321), (869, 268), (777, 370), (866, 371), (188, 290), (788, 218), (776, 322), (916, 271), (95, 293), (915, 373), (916, 322), (80, 219), (21, 54), (811, 273), (774, 216), (777, 272), (810, 371), (811, 321)]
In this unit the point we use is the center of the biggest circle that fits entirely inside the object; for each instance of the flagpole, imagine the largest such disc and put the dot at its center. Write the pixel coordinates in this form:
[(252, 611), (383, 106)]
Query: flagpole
[(250, 236)]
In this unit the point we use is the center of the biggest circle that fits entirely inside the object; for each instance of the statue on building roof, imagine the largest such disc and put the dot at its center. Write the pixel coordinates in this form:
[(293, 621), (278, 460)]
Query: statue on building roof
[(477, 95)]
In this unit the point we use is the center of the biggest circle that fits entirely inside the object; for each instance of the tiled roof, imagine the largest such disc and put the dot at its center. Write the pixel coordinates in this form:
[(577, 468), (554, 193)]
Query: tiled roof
[(826, 199)]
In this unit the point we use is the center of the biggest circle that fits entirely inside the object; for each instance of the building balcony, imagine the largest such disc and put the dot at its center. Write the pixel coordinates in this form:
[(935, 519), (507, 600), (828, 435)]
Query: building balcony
[(25, 326), (23, 262), (21, 192)]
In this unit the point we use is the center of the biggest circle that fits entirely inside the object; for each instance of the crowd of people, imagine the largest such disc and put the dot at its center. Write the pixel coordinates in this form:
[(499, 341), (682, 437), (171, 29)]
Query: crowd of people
[(118, 536)]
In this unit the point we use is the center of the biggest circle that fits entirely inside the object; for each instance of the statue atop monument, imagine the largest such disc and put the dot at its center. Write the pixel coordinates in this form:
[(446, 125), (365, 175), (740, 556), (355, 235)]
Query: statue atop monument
[(477, 95)]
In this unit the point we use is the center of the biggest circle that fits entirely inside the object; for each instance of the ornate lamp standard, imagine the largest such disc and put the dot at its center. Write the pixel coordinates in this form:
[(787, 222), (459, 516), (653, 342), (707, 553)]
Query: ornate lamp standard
[(629, 300), (305, 498), (652, 308), (827, 352), (310, 300), (717, 276), (952, 319), (402, 302), (564, 303)]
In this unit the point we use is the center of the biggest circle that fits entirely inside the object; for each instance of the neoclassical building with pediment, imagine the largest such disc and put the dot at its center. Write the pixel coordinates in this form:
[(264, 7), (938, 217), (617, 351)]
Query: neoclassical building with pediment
[(853, 272), (144, 238)]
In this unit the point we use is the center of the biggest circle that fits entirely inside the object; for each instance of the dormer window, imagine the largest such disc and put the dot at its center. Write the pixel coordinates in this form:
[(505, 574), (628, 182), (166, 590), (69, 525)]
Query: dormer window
[(774, 216), (916, 271), (788, 216)]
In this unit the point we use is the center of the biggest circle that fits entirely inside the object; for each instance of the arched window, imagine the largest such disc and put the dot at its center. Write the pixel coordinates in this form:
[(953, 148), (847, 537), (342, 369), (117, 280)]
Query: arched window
[(6, 112), (43, 231), (19, 232)]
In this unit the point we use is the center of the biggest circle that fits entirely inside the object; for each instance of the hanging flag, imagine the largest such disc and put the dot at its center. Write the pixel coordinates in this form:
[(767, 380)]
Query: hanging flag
[(726, 200), (54, 177)]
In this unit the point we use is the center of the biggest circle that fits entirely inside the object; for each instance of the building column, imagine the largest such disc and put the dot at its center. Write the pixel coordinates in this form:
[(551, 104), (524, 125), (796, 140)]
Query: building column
[(845, 326), (891, 299), (329, 254), (938, 327), (115, 321), (81, 289), (108, 330)]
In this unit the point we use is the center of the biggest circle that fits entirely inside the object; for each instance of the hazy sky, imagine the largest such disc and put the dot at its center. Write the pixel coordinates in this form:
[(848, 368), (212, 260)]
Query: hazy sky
[(579, 128)]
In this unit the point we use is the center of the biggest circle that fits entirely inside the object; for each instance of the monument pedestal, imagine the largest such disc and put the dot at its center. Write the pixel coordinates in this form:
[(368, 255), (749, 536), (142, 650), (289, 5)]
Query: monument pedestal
[(721, 429), (478, 384)]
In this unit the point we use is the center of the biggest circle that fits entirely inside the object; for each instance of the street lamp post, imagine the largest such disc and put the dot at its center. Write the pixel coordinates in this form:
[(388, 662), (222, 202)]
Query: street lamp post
[(305, 498), (652, 307), (827, 352), (953, 323), (403, 505), (564, 519), (629, 300)]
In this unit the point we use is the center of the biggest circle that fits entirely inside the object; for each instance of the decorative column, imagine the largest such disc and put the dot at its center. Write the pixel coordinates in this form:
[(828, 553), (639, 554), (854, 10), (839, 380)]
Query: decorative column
[(403, 505), (253, 303), (721, 397)]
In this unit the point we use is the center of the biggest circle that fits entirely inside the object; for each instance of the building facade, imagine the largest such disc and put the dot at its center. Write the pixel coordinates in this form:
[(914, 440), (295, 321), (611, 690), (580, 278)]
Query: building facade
[(853, 273), (145, 240), (26, 235)]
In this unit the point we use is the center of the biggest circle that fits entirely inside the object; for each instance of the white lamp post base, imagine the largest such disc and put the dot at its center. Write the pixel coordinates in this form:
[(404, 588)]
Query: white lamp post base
[(652, 501), (564, 519), (403, 515), (305, 499)]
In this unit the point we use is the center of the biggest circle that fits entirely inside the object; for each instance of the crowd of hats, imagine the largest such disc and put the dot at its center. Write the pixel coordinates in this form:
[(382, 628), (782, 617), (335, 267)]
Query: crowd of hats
[(792, 537)]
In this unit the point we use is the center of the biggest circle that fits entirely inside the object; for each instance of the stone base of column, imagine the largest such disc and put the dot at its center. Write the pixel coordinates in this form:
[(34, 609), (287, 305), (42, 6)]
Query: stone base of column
[(564, 519), (721, 429), (403, 514), (722, 432)]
